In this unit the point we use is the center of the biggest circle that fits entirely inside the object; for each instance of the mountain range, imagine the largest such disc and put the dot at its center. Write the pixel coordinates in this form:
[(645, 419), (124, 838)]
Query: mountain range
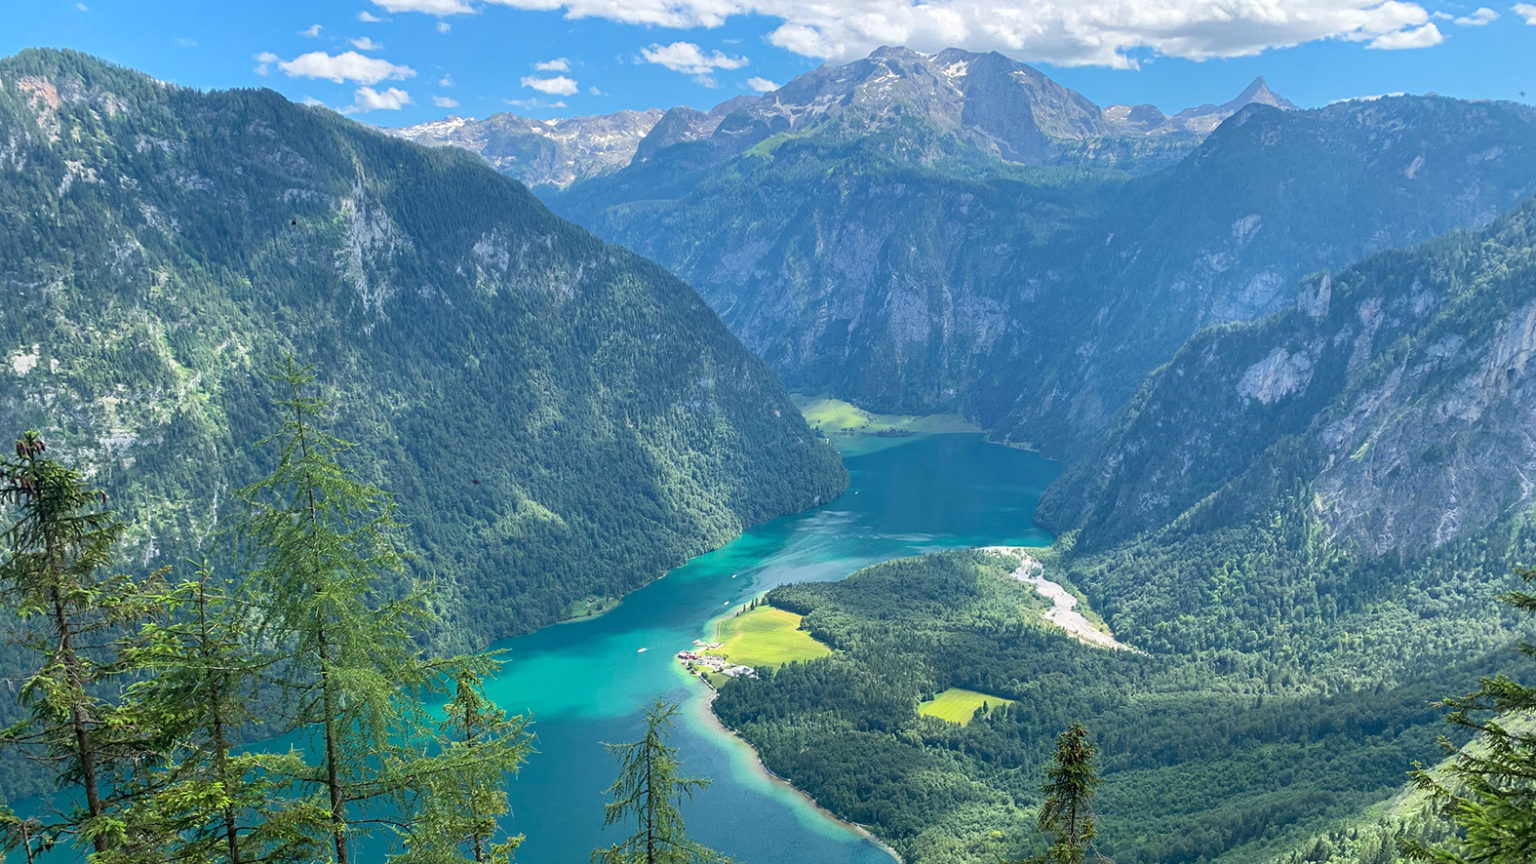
[(1004, 108), (882, 252)]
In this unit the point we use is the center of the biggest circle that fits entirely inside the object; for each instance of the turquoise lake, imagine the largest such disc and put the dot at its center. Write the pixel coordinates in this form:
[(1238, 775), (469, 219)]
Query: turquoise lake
[(583, 682)]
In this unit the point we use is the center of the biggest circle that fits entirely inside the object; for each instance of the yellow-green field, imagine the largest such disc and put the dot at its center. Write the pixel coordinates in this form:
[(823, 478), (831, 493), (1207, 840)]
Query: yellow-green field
[(958, 705), (836, 417), (767, 636)]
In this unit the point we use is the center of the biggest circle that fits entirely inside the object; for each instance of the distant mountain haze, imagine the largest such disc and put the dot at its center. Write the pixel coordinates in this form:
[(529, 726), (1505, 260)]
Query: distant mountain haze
[(1005, 108)]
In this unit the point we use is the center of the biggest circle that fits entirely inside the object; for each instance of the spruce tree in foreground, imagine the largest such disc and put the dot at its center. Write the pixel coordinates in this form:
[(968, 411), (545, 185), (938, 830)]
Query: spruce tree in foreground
[(330, 587), (1066, 813), (56, 549), (461, 819), (647, 793), (206, 800), (1490, 790)]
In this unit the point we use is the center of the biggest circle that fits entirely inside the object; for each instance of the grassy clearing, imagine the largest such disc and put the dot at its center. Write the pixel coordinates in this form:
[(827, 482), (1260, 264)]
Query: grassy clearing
[(958, 705), (836, 417), (590, 607), (767, 636)]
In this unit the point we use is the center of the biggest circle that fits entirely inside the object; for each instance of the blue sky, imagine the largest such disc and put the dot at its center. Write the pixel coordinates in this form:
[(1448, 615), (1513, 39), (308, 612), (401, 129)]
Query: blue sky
[(395, 62)]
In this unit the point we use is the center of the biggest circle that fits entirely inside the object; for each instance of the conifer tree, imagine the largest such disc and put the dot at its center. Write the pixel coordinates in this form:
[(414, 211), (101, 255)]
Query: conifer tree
[(330, 585), (56, 549), (484, 745), (1066, 813), (1490, 790), (648, 791), (206, 801)]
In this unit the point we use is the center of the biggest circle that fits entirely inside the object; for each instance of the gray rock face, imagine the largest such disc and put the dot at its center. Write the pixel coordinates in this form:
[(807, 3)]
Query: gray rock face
[(538, 152), (1401, 407)]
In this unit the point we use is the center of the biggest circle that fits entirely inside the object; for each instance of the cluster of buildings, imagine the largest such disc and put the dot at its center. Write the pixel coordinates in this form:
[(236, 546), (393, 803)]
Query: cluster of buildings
[(698, 662)]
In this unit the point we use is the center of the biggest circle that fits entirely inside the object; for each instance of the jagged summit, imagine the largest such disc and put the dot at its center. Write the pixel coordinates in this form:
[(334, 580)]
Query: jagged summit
[(934, 105), (1258, 92)]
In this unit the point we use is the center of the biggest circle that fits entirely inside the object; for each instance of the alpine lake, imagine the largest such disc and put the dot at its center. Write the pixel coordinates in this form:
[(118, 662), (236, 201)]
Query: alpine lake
[(584, 682)]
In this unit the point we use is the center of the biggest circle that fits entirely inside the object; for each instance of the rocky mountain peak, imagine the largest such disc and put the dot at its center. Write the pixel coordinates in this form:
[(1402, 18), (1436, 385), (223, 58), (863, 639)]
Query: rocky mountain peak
[(1258, 92), (1192, 122), (538, 152)]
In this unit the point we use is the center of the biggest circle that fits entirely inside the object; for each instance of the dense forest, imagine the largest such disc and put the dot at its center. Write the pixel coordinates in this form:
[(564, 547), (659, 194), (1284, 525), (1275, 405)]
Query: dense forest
[(492, 358), (287, 713), (1206, 755)]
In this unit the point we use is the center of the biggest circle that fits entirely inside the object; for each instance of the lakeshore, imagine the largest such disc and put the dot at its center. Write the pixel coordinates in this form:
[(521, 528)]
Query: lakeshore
[(583, 681)]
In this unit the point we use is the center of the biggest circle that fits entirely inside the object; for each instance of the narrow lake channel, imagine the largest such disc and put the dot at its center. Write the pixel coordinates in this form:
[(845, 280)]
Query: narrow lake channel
[(584, 681)]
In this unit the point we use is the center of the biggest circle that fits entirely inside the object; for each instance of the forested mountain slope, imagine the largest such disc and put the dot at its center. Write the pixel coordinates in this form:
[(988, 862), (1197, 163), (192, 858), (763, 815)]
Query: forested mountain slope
[(557, 417), (896, 263)]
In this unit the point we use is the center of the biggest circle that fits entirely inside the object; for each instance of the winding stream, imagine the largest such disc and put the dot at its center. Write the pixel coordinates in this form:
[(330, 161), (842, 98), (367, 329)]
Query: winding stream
[(583, 681)]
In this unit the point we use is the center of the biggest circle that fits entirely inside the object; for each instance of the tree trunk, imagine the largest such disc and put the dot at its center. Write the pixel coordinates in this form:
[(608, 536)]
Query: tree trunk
[(332, 772), (79, 721)]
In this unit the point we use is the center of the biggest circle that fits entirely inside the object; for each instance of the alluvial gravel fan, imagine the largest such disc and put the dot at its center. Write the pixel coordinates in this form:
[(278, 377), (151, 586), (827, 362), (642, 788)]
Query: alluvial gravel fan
[(556, 417)]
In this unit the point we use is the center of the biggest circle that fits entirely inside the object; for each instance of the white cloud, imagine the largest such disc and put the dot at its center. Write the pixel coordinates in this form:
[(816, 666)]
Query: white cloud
[(368, 99), (1482, 16), (445, 81), (761, 85), (264, 62), (529, 104), (430, 7), (445, 102), (310, 100), (1083, 32), (559, 64), (366, 44), (559, 85), (1399, 40), (595, 92), (368, 17), (350, 66), (81, 7), (1526, 11), (687, 57), (311, 32), (444, 27), (186, 43)]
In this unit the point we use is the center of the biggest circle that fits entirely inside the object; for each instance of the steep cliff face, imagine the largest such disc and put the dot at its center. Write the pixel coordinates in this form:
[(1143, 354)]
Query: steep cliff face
[(1034, 299), (1270, 196), (557, 417), (1400, 393)]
